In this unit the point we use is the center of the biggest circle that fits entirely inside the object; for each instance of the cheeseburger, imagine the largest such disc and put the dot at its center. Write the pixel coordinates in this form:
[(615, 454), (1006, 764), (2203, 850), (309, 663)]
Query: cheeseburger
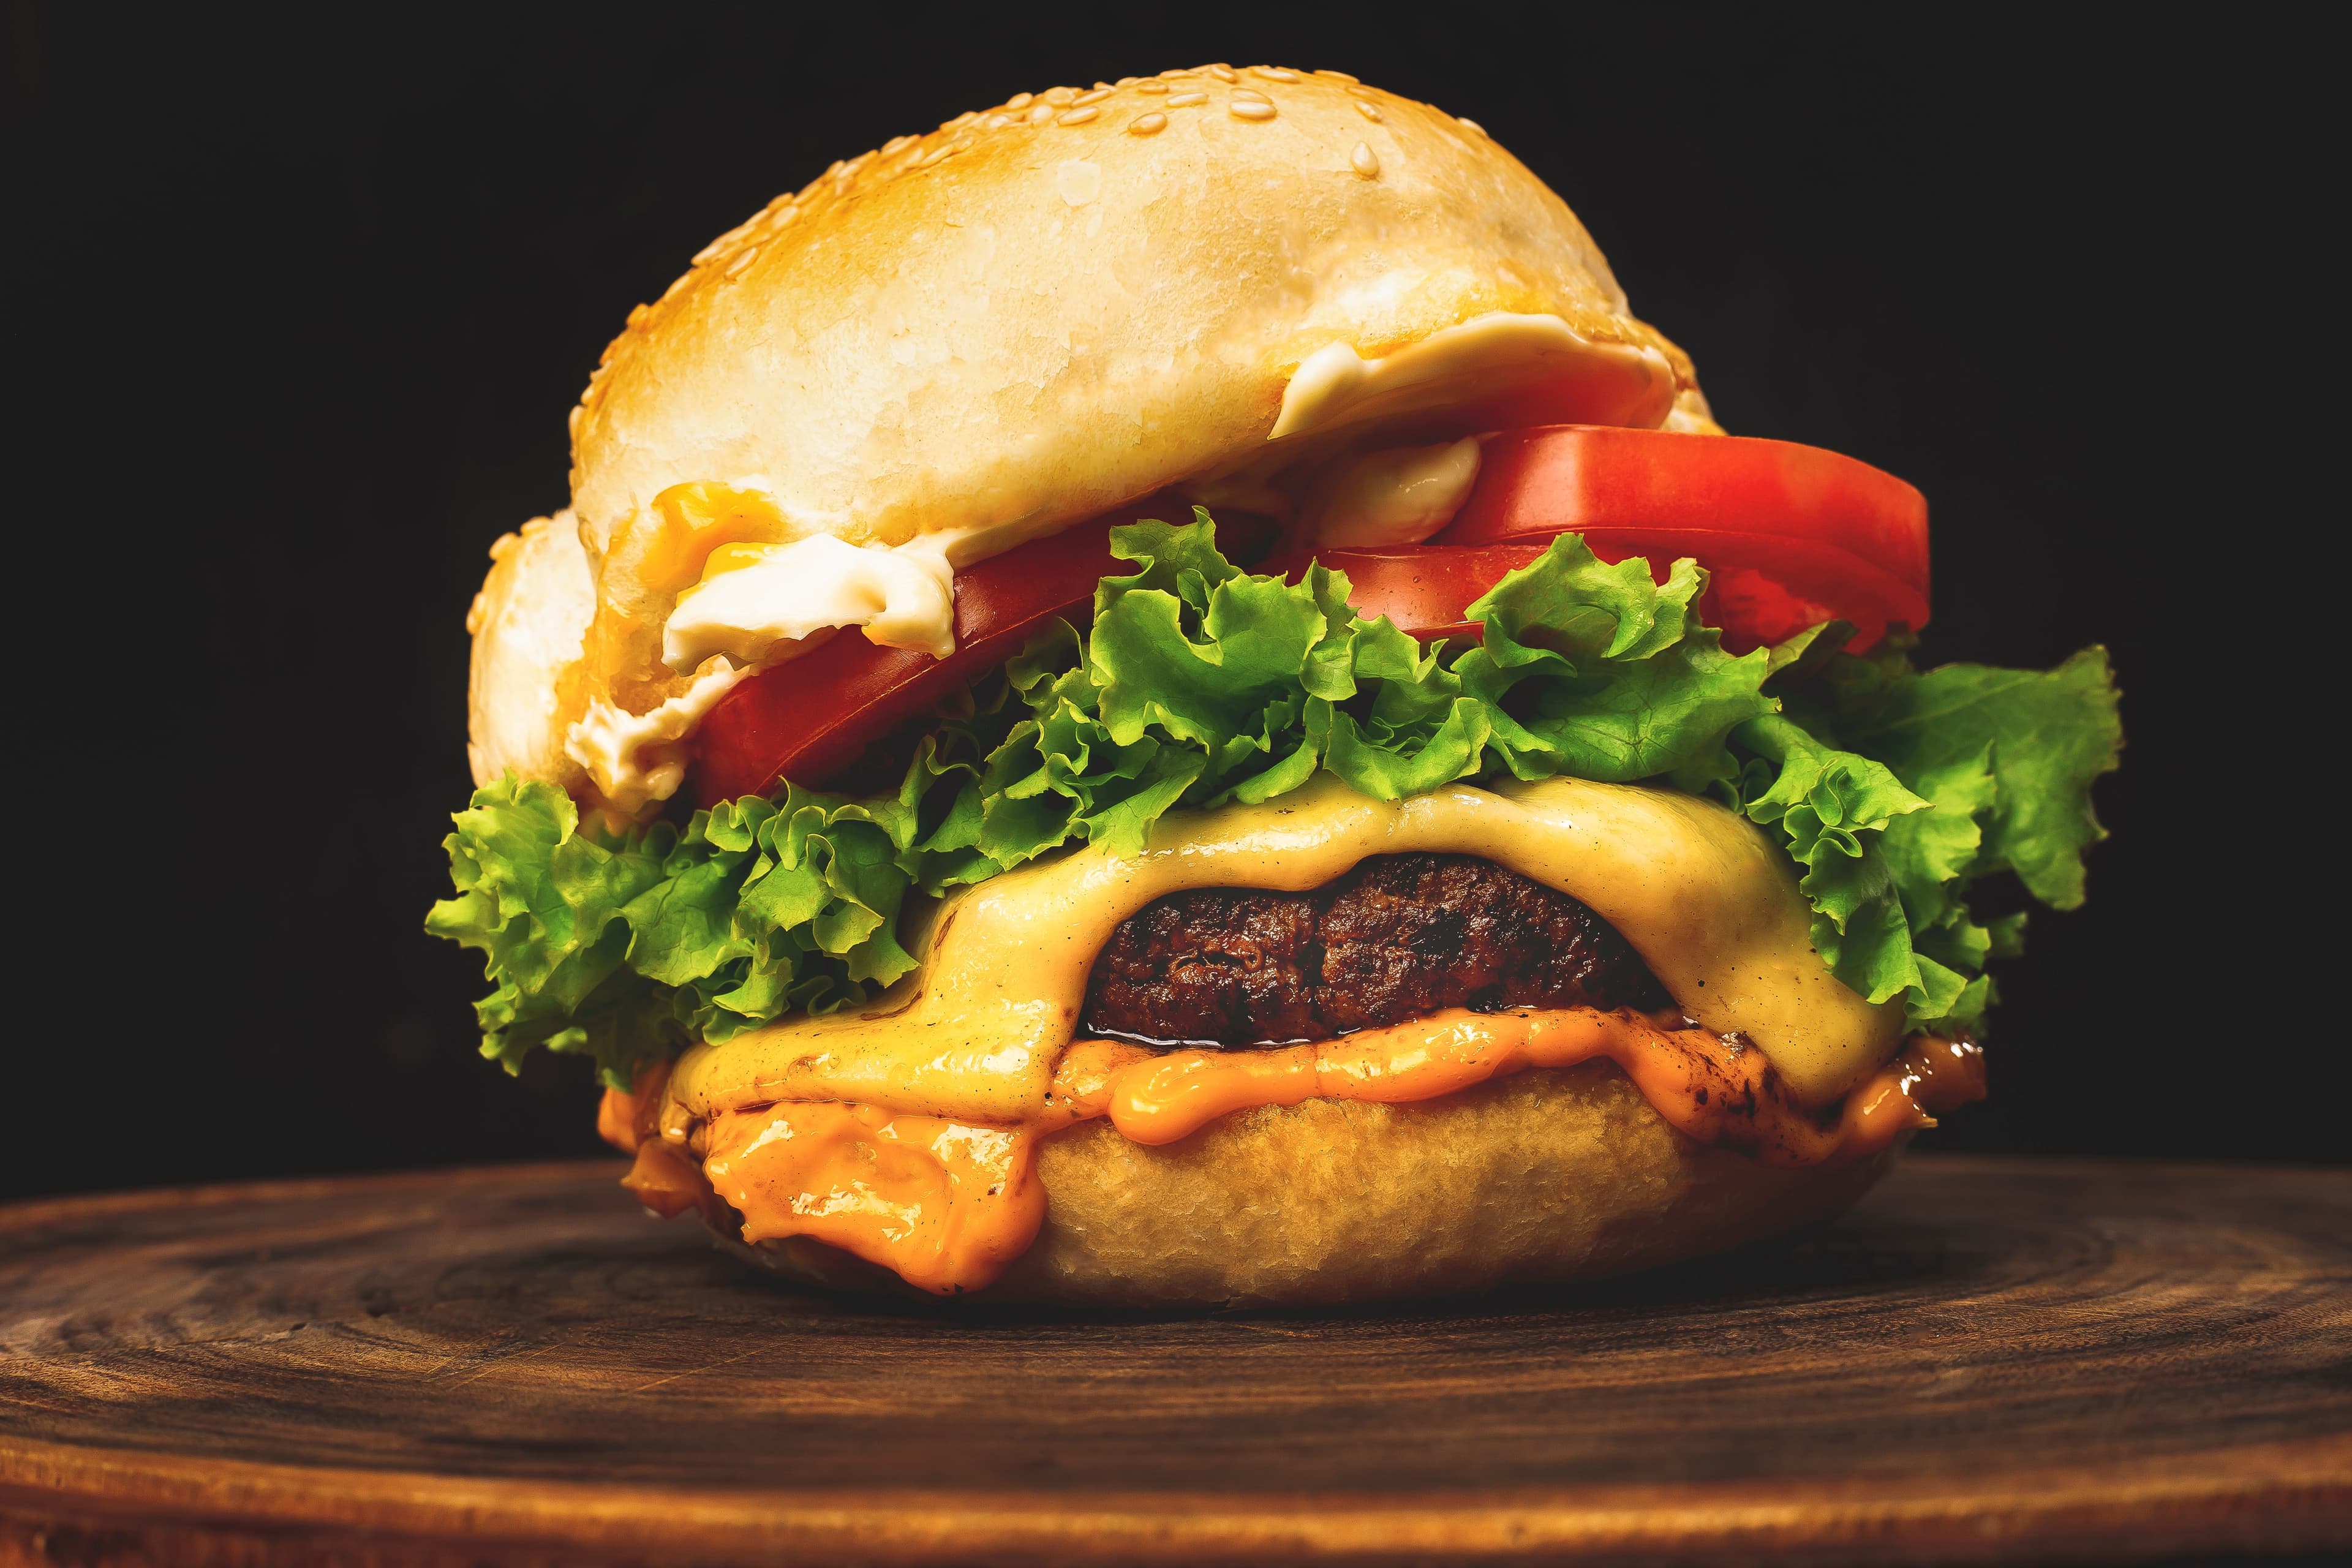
[(1160, 697)]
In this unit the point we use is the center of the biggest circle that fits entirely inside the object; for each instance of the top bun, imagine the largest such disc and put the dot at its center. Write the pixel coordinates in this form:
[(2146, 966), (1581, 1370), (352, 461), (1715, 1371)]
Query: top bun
[(1209, 282), (1039, 311)]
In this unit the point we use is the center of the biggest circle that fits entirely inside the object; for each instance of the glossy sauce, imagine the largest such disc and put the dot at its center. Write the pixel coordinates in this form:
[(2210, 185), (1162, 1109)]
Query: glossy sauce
[(944, 1204), (664, 1178), (1716, 1089), (949, 1205)]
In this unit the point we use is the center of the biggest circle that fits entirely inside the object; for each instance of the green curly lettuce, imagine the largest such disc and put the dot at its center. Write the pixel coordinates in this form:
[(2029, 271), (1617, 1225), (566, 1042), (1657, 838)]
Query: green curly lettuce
[(1198, 684)]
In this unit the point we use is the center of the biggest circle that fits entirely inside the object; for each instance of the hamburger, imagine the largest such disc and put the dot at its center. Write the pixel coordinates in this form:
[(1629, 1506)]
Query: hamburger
[(1160, 697)]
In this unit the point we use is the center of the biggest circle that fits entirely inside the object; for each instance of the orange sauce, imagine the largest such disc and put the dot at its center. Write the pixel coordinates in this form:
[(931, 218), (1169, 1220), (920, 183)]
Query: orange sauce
[(948, 1206), (663, 1178), (944, 1204), (1717, 1090)]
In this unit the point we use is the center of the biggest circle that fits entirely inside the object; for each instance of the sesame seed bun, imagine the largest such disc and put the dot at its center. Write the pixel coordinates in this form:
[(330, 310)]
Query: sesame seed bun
[(1025, 319), (1040, 311), (1548, 1175)]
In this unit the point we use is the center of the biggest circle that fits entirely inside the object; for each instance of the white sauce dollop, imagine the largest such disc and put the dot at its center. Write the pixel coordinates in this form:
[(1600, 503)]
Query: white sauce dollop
[(637, 758), (762, 613), (1334, 382), (756, 616), (1400, 496)]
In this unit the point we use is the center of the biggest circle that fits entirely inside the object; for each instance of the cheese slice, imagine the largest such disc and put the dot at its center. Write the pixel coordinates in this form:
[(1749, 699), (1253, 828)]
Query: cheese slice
[(975, 1034)]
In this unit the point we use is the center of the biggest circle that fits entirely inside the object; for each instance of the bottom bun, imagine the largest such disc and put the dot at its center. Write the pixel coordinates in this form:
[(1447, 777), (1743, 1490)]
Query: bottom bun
[(1546, 1176)]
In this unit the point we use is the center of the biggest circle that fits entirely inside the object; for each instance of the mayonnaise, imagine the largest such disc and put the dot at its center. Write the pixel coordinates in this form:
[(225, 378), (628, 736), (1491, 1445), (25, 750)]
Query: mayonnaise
[(761, 611), (1630, 385), (1400, 496), (636, 759)]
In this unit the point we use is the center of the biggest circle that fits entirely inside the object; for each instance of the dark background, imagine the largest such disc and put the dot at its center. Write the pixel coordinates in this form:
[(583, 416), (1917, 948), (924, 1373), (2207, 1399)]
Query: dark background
[(299, 303)]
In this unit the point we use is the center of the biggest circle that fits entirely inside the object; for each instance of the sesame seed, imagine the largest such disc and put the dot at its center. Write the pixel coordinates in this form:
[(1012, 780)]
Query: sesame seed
[(1186, 99), (750, 253), (996, 122), (1059, 97), (1471, 125), (1274, 73), (1171, 76), (1019, 101), (1040, 112), (1147, 124), (637, 313), (1129, 80), (944, 151), (1097, 96), (1078, 116), (1370, 112), (1151, 87), (1224, 73), (1250, 109), (710, 252), (961, 120), (1252, 95), (891, 147), (1339, 76), (1364, 160)]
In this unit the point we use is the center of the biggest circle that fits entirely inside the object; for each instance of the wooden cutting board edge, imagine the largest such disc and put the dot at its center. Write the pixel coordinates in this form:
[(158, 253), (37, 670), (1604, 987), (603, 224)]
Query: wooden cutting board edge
[(2270, 1498)]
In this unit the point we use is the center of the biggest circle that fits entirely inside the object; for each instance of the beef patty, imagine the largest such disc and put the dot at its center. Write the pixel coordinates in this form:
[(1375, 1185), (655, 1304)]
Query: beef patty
[(1397, 938)]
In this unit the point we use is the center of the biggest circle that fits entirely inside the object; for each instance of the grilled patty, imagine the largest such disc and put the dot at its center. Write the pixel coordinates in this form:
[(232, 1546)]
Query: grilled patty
[(1397, 938)]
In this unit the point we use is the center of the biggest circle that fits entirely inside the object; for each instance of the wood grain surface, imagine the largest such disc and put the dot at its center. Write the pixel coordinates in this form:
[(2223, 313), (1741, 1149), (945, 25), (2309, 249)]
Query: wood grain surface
[(1987, 1361)]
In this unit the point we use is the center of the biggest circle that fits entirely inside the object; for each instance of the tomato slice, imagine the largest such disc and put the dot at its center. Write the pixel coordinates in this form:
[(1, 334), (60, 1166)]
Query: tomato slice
[(1423, 588), (811, 718), (1793, 534)]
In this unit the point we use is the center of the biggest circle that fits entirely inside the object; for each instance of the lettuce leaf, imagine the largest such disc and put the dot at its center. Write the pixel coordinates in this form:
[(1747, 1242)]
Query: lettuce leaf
[(1198, 684)]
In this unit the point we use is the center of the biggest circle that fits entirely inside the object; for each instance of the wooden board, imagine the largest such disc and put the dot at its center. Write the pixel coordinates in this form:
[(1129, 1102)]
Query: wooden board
[(1989, 1360)]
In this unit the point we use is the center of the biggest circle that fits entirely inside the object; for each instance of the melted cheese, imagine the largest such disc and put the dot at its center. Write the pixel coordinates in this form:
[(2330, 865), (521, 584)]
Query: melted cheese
[(974, 1035)]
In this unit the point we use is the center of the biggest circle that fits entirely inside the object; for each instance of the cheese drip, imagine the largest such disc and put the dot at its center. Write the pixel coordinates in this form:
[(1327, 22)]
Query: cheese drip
[(948, 1206), (1709, 904)]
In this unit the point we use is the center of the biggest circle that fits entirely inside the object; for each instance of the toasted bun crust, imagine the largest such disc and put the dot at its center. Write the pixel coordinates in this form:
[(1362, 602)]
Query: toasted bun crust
[(1546, 1175), (1038, 311)]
